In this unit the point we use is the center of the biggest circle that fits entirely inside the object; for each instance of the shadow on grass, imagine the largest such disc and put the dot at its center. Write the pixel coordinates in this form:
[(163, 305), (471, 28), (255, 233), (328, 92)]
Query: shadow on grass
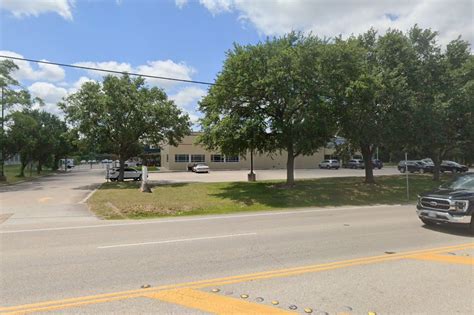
[(326, 192), (136, 185)]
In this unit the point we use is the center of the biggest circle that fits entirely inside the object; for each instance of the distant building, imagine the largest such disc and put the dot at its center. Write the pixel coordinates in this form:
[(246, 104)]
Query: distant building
[(14, 160), (187, 153)]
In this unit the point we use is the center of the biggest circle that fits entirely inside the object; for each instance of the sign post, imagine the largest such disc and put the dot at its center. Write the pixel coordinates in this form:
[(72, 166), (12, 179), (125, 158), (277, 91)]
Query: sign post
[(144, 186), (406, 172)]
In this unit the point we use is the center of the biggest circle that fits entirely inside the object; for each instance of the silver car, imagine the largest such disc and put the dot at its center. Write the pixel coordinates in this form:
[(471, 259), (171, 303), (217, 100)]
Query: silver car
[(328, 164), (201, 168)]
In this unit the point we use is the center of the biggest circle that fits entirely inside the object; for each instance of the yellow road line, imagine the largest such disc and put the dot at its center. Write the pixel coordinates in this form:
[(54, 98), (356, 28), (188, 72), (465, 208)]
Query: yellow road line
[(214, 303), (72, 302), (446, 259), (44, 199)]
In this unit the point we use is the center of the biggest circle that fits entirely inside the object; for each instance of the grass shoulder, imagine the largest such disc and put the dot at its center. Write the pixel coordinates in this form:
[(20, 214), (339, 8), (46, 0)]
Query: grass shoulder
[(12, 172), (124, 200)]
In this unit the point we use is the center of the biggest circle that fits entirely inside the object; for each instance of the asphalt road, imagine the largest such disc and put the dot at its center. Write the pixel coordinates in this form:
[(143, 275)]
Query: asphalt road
[(343, 260)]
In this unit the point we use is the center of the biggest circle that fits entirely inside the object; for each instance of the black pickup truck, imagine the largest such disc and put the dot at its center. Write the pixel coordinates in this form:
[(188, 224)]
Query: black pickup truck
[(453, 202)]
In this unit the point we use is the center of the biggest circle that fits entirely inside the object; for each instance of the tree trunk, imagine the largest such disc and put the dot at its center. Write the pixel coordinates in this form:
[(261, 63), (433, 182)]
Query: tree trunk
[(39, 168), (369, 169), (55, 164), (22, 169), (122, 168), (290, 168), (436, 169), (251, 161)]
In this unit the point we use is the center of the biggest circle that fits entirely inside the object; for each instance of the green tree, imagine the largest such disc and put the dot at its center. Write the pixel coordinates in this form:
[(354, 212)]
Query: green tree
[(49, 139), (441, 83), (121, 114), (268, 98), (9, 97), (366, 96), (22, 137)]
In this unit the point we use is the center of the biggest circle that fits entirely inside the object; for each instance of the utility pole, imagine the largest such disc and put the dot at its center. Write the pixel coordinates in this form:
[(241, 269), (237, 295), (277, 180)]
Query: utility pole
[(2, 160)]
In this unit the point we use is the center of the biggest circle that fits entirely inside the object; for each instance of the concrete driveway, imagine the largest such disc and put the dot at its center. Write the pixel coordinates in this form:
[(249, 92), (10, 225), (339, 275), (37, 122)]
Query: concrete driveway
[(241, 175)]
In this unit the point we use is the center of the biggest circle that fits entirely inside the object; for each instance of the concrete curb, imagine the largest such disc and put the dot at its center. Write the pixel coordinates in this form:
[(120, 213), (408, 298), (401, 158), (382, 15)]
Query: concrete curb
[(90, 194)]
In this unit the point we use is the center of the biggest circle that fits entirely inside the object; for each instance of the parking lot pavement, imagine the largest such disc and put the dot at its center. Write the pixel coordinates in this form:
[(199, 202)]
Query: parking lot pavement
[(53, 198), (241, 175)]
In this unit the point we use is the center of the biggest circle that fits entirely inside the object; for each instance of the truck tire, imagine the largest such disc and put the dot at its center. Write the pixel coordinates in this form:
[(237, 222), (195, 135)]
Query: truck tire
[(402, 170)]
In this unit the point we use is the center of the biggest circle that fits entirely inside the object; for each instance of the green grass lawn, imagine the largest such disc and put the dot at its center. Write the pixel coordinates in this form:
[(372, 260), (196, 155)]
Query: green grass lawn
[(124, 200), (12, 171)]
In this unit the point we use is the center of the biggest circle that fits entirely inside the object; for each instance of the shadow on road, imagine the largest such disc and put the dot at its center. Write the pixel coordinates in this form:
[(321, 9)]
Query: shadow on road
[(449, 229), (87, 187)]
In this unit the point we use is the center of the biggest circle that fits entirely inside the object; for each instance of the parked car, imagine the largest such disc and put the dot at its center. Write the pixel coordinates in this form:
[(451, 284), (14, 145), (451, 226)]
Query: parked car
[(428, 161), (201, 168), (330, 164), (129, 173), (453, 202), (355, 163), (377, 163), (413, 166), (453, 167)]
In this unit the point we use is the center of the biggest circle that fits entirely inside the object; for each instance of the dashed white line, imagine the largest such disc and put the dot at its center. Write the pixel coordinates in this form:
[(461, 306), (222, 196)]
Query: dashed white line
[(177, 240)]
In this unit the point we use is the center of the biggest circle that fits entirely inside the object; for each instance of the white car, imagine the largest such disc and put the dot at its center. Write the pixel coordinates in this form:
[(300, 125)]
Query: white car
[(330, 164), (129, 173), (201, 168)]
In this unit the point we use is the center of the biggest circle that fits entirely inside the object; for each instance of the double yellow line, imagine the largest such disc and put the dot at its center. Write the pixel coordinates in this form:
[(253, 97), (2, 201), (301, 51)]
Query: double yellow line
[(102, 298)]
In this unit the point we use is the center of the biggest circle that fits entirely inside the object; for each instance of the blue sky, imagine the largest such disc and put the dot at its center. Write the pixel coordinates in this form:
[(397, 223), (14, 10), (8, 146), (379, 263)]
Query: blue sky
[(184, 38)]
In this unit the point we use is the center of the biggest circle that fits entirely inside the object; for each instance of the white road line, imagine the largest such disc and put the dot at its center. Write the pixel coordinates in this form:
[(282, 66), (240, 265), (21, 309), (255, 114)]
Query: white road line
[(89, 195), (177, 241), (222, 217)]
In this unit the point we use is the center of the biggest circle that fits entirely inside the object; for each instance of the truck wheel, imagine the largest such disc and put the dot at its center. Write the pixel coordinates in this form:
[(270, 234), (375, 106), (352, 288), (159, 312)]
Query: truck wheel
[(422, 170), (402, 170)]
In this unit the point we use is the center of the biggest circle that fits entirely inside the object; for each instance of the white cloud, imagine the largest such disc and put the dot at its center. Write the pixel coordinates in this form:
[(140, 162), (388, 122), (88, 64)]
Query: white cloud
[(188, 96), (218, 6), (45, 72), (342, 17), (162, 68), (181, 3), (21, 8), (50, 94)]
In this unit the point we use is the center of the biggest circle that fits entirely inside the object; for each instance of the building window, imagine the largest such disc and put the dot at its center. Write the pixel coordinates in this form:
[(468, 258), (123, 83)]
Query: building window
[(181, 158), (232, 159), (197, 158), (217, 158)]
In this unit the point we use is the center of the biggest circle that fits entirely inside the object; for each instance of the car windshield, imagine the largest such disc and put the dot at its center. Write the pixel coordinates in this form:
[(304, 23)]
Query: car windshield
[(462, 183)]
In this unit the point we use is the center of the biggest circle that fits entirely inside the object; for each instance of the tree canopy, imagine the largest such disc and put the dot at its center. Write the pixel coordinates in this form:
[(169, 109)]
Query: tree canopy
[(121, 114), (269, 98)]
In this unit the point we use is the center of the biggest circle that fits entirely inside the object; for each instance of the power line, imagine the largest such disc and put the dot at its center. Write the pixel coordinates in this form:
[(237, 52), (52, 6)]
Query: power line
[(108, 70)]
